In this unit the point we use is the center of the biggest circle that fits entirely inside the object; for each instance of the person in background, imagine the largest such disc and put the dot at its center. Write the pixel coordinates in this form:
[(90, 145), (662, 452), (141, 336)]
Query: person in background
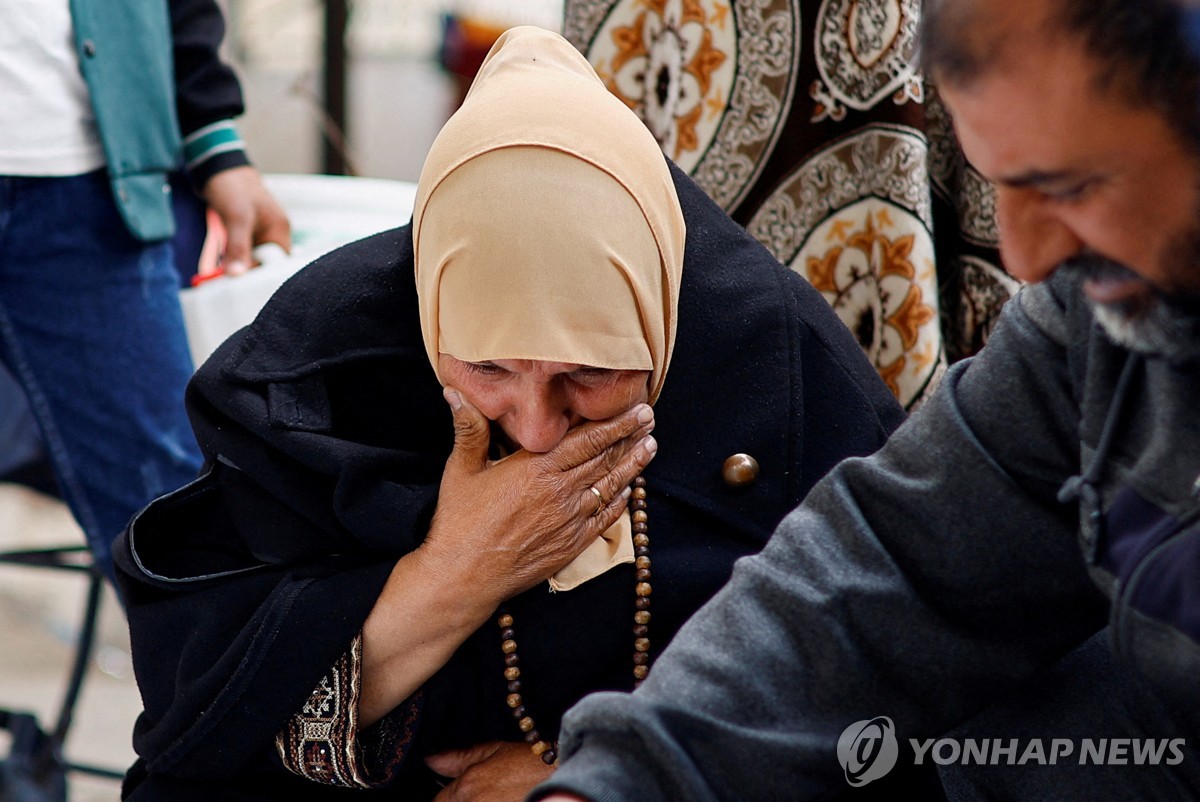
[(958, 583), (370, 588), (99, 102)]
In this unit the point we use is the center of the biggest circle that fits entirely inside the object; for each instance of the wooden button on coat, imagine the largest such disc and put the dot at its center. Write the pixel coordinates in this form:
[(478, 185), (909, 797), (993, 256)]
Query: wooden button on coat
[(740, 470)]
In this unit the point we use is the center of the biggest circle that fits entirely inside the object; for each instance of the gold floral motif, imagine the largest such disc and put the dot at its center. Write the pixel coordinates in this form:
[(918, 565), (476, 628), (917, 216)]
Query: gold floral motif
[(856, 219), (867, 273), (668, 43), (713, 80), (630, 45)]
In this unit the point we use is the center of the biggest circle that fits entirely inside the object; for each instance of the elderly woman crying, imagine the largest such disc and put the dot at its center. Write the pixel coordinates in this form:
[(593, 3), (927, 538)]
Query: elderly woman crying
[(434, 515)]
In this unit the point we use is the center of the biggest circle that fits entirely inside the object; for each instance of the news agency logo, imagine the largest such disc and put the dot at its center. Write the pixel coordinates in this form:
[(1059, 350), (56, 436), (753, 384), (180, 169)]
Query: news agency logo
[(868, 750), (1035, 752)]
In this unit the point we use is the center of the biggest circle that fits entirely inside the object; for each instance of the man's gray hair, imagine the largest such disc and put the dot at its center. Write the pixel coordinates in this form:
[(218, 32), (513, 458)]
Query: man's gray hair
[(1148, 51)]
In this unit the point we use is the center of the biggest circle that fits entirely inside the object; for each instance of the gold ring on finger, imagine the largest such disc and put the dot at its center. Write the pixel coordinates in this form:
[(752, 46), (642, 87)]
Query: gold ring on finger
[(599, 498)]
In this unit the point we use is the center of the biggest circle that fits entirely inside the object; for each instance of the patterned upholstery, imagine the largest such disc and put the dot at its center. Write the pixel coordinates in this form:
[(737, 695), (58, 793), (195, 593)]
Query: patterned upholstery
[(808, 122)]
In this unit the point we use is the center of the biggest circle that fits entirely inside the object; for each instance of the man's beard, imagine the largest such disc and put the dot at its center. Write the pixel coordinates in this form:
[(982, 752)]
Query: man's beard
[(1152, 323)]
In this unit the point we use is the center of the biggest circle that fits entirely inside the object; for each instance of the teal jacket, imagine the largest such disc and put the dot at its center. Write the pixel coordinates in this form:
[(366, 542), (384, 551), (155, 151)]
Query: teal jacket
[(154, 76)]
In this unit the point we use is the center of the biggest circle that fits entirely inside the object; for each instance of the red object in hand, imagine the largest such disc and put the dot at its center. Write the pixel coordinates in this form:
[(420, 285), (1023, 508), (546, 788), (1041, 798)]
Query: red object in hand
[(210, 253)]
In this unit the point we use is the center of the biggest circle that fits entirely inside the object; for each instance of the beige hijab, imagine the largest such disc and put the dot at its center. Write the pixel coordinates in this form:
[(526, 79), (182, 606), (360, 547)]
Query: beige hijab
[(546, 226)]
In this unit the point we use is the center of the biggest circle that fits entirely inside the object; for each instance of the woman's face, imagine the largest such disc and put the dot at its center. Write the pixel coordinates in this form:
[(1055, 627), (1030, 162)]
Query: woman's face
[(535, 402)]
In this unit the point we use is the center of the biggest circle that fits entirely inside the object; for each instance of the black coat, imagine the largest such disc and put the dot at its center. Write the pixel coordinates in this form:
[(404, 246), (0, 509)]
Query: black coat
[(325, 433)]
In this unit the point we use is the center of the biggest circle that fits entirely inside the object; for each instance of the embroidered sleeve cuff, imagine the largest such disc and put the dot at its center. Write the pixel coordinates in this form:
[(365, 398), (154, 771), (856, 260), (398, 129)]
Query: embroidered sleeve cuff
[(323, 742)]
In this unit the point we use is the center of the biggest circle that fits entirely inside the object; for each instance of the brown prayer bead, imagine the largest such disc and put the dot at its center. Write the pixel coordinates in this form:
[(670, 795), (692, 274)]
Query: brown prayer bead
[(547, 751)]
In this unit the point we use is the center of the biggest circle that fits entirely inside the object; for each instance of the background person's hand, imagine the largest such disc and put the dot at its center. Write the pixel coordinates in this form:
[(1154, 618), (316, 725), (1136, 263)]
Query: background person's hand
[(250, 214), (514, 523), (496, 771)]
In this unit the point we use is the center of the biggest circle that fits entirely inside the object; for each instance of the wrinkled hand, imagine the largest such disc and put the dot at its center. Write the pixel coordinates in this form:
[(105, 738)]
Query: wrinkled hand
[(250, 213), (497, 771), (514, 523)]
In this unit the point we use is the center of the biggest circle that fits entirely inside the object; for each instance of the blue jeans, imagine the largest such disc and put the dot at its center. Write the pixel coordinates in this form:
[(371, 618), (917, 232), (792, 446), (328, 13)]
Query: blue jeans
[(19, 441), (91, 327)]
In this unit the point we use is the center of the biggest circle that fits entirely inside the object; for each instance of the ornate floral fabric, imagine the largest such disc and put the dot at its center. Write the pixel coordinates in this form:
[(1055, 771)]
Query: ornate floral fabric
[(808, 122)]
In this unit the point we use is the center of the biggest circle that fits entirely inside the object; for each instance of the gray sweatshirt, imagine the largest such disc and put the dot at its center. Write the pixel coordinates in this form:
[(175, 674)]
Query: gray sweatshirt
[(925, 582)]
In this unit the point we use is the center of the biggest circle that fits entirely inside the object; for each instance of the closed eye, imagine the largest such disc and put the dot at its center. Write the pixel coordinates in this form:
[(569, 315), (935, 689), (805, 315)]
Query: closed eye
[(1060, 186), (485, 368), (590, 376), (1070, 193)]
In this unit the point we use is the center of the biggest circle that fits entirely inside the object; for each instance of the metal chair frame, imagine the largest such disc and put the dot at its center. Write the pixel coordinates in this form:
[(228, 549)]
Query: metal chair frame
[(36, 758)]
